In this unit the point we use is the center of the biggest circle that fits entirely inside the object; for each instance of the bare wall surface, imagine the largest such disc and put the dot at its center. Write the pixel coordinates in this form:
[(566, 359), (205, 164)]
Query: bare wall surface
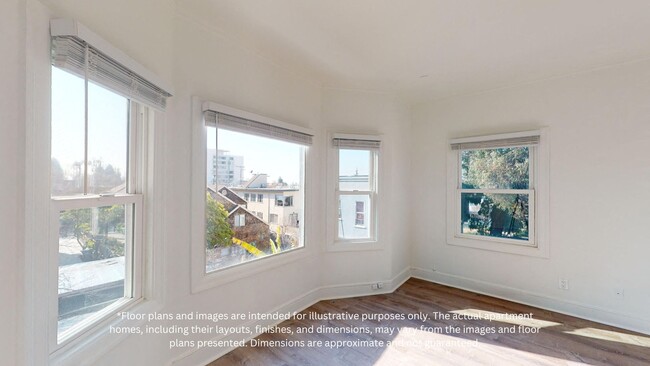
[(599, 169), (12, 116)]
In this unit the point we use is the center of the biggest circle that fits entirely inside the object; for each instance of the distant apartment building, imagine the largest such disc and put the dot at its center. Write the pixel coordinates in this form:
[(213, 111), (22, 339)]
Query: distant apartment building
[(275, 203), (224, 168), (354, 210)]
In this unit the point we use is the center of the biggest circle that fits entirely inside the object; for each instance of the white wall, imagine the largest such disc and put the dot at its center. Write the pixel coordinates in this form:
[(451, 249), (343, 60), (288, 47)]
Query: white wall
[(12, 133), (599, 171), (351, 111)]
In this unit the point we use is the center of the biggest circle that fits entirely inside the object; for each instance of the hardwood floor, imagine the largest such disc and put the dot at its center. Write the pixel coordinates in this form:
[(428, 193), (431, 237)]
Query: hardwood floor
[(560, 340)]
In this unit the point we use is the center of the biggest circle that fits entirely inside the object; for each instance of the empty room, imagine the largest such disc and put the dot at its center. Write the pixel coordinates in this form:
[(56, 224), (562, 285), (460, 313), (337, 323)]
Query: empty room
[(325, 182)]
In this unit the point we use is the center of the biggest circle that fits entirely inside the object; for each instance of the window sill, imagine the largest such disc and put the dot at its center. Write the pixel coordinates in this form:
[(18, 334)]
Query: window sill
[(246, 269), (353, 245), (94, 341), (501, 246)]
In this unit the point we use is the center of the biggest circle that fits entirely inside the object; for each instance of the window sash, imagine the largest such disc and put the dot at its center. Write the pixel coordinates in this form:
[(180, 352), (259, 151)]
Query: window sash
[(531, 216), (370, 215), (372, 173), (133, 260)]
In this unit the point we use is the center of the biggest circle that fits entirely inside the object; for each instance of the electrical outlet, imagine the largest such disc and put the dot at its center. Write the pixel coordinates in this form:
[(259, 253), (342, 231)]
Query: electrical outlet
[(377, 286), (380, 285), (564, 284)]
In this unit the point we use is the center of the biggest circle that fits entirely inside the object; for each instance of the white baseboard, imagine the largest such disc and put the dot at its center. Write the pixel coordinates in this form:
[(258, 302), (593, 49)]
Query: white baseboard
[(204, 356), (562, 306)]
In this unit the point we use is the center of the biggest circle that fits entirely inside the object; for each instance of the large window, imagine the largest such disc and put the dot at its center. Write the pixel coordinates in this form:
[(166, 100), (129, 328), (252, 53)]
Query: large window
[(98, 152), (240, 226), (495, 180), (96, 199), (356, 188)]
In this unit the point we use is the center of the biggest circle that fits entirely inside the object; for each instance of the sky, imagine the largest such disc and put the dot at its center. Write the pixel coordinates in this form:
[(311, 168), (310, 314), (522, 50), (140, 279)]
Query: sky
[(107, 120), (261, 155), (278, 158)]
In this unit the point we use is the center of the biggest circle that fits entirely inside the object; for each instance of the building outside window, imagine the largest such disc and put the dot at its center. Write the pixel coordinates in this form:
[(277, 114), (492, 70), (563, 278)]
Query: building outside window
[(273, 166)]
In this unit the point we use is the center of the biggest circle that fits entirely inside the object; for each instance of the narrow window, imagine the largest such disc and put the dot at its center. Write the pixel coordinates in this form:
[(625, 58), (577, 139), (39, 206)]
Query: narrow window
[(356, 188)]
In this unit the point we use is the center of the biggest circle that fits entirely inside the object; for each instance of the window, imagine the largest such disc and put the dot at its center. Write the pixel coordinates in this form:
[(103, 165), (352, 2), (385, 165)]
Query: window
[(240, 220), (281, 200), (360, 213), (97, 181), (272, 159), (356, 187), (496, 181)]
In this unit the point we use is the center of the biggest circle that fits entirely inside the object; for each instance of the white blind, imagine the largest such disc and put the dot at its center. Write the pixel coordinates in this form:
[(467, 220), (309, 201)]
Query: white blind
[(497, 143), (228, 122), (70, 53), (356, 144)]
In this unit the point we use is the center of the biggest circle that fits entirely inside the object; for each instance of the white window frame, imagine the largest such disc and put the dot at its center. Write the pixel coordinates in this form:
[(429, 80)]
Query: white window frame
[(201, 280), (134, 259), (372, 217), (538, 193), (94, 341)]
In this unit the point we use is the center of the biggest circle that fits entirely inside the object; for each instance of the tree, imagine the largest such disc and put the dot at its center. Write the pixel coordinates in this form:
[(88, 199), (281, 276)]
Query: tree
[(219, 233), (95, 245), (77, 223), (504, 168)]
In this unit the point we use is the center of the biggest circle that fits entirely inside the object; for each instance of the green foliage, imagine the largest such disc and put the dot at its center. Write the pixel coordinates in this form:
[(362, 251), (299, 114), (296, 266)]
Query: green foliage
[(99, 245), (219, 233), (505, 168), (499, 214)]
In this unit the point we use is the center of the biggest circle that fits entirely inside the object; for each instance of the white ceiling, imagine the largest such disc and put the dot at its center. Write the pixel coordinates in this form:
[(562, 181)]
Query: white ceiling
[(430, 49)]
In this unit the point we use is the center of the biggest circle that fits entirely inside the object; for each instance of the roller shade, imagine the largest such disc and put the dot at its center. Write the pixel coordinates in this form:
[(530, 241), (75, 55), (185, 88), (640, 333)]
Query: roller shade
[(79, 57), (496, 143), (238, 124), (356, 144)]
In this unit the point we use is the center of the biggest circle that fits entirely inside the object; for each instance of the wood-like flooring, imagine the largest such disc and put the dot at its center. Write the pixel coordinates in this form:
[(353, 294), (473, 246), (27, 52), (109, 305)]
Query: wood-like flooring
[(472, 338)]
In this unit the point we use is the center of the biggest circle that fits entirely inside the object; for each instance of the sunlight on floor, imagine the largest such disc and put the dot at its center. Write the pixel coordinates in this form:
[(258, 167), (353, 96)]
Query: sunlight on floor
[(515, 319), (612, 336), (422, 347)]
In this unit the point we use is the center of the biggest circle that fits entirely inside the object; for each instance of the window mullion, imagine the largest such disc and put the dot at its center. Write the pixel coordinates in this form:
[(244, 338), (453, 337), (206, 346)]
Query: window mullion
[(86, 64)]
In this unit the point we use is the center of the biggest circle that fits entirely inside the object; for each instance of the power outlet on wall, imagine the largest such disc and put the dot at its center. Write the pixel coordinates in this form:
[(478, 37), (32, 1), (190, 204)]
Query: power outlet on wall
[(377, 286), (563, 284)]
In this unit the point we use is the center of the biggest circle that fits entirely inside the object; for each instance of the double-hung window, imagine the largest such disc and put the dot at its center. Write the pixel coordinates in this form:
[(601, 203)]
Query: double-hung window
[(356, 187), (100, 116), (494, 195), (238, 227)]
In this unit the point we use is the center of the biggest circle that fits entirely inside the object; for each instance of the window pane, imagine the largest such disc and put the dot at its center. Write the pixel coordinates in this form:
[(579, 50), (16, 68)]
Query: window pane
[(107, 140), (68, 118), (92, 243), (505, 168), (354, 169), (256, 206), (497, 215), (353, 216)]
